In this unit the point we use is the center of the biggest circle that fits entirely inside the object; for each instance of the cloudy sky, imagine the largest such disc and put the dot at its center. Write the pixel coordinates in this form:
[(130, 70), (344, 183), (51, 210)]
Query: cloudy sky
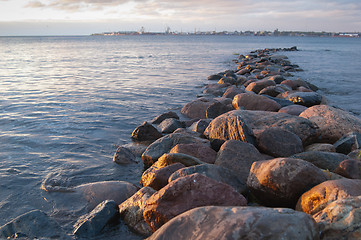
[(67, 17)]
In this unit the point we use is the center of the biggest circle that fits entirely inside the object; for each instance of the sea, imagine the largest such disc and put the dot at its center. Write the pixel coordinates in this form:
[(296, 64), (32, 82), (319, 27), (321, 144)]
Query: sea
[(67, 102)]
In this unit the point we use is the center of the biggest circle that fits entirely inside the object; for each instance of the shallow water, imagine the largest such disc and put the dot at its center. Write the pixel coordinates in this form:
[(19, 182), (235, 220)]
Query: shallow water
[(67, 102)]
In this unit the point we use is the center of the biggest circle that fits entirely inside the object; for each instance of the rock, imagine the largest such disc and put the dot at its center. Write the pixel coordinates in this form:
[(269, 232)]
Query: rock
[(215, 89), (321, 147), (214, 222), (229, 126), (348, 143), (277, 78), (258, 121), (131, 211), (281, 181), (279, 143), (272, 91), (203, 153), (218, 108), (259, 85), (306, 99), (185, 193), (170, 158), (146, 132), (238, 157), (157, 177), (282, 102), (214, 172), (295, 109), (324, 160), (32, 225), (232, 91), (333, 123), (215, 77), (95, 193), (124, 156), (197, 108), (317, 198), (349, 168), (169, 125), (250, 101), (341, 219), (229, 80), (331, 175), (356, 154), (164, 116), (90, 225), (200, 125), (166, 143)]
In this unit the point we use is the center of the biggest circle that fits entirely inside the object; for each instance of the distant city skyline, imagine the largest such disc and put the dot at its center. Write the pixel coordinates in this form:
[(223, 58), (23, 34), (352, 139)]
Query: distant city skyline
[(83, 17)]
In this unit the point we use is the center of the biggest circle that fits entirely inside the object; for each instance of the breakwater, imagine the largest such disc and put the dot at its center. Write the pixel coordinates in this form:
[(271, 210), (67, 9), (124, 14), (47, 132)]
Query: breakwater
[(253, 138)]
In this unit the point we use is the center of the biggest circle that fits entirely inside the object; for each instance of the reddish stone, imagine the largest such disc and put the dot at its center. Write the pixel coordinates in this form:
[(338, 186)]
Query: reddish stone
[(349, 168), (200, 151), (293, 109), (157, 178), (250, 101), (259, 85)]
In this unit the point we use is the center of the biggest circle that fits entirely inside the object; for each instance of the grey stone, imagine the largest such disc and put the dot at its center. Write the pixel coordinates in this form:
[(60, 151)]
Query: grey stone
[(164, 116), (124, 156), (169, 125), (348, 143)]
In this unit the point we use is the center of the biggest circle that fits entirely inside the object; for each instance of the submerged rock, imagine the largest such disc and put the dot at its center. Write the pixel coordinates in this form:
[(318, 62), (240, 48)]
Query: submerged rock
[(124, 156)]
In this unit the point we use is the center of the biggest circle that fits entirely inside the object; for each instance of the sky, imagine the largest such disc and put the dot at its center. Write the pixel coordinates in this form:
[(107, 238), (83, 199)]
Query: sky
[(83, 17)]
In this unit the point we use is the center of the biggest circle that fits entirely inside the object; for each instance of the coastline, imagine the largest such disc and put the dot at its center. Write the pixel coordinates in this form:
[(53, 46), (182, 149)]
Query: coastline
[(209, 106)]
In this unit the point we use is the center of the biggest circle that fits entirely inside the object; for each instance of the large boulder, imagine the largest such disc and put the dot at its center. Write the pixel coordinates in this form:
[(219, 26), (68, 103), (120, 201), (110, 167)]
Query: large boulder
[(204, 153), (124, 156), (185, 193), (243, 124), (131, 211), (294, 109), (218, 108), (33, 225), (166, 143), (281, 181), (146, 132), (341, 219), (197, 108), (259, 85), (306, 99), (200, 125), (278, 142), (348, 143), (215, 223), (334, 123), (169, 125), (252, 101), (91, 224), (317, 198), (349, 168), (214, 172), (238, 157), (325, 160), (232, 91)]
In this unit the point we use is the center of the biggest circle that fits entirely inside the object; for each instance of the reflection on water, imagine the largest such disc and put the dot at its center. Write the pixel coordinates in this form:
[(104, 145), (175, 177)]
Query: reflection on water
[(67, 102)]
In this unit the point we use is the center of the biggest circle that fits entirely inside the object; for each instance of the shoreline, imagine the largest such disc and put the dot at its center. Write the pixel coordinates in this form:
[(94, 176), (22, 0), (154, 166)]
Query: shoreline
[(244, 136)]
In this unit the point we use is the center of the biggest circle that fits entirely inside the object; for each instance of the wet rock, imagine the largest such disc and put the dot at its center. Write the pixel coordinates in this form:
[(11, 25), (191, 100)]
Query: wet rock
[(215, 89), (164, 116), (349, 168), (32, 225), (341, 219), (258, 121), (348, 143), (232, 91), (238, 157), (169, 125), (229, 80), (95, 193), (185, 193), (228, 126), (333, 123), (317, 198), (321, 147), (92, 224), (146, 132), (124, 156), (272, 91), (213, 222), (200, 126), (214, 172), (293, 109), (306, 99), (197, 108), (259, 85), (324, 160), (281, 181), (215, 77), (166, 143), (279, 143), (200, 151), (250, 101), (131, 211), (157, 177)]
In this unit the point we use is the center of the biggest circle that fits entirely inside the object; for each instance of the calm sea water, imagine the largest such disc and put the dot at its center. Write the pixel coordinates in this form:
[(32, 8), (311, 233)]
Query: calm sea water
[(67, 102)]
